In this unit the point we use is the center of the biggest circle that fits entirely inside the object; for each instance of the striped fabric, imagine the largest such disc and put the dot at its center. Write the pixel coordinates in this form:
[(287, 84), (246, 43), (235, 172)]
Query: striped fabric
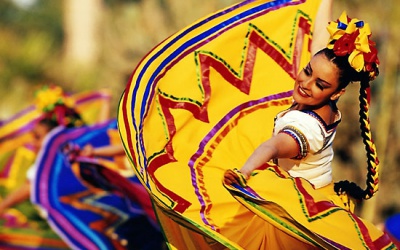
[(199, 103)]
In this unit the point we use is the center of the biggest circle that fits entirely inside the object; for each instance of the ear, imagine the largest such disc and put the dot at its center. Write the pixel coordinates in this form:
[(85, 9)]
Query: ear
[(336, 95)]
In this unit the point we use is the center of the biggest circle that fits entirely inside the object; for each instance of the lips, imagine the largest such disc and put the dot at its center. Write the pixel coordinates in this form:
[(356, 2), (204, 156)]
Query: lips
[(302, 93)]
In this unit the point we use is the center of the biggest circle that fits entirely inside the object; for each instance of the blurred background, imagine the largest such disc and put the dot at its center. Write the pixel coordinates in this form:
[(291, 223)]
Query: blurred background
[(96, 44)]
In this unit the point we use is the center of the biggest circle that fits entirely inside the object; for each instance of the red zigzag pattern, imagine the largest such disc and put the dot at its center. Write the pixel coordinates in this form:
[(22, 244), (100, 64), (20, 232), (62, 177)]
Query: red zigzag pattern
[(256, 41)]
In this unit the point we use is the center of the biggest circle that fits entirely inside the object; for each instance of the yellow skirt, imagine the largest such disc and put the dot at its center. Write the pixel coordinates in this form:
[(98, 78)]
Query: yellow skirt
[(200, 103), (288, 213)]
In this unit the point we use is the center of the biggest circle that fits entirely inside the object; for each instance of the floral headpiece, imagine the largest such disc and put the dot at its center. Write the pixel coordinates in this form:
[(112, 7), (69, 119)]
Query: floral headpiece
[(57, 106), (50, 96), (351, 37)]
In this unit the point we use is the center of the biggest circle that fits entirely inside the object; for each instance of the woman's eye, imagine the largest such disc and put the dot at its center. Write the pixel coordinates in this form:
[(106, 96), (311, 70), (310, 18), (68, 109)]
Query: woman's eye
[(307, 71), (321, 85)]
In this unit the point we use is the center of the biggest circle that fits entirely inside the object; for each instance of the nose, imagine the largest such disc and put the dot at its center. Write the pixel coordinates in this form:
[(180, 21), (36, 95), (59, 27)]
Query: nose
[(306, 83)]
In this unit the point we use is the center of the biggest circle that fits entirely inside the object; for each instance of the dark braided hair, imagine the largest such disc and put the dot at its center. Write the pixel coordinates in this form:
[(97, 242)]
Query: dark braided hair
[(73, 119), (372, 158), (66, 116), (48, 123), (57, 106), (348, 74)]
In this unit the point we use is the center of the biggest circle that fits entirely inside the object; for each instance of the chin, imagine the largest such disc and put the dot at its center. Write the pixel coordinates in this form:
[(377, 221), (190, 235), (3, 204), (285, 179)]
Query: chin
[(296, 97)]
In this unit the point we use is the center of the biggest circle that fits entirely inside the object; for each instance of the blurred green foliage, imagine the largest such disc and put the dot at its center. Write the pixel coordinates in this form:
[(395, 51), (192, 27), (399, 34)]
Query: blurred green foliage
[(30, 40)]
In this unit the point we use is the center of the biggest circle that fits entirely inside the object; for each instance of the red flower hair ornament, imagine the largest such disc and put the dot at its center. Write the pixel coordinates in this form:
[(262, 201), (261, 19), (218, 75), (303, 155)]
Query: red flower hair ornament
[(351, 37), (57, 106)]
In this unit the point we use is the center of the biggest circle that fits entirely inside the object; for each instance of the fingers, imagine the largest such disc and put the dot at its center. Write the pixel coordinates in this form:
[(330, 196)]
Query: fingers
[(235, 177), (87, 150), (231, 177)]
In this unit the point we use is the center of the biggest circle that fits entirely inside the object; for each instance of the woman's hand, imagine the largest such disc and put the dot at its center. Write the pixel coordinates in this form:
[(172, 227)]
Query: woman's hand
[(235, 177), (87, 151)]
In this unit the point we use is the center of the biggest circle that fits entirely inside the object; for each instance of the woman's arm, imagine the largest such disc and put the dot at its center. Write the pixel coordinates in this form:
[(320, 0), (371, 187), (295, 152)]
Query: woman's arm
[(279, 146), (106, 151), (320, 33), (19, 195)]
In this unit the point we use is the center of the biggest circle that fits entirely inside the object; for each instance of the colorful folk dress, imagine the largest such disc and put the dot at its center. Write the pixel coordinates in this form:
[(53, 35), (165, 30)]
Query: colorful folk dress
[(199, 104)]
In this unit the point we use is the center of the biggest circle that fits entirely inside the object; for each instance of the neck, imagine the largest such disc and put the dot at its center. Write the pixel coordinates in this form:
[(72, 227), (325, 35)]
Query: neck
[(326, 111), (330, 104)]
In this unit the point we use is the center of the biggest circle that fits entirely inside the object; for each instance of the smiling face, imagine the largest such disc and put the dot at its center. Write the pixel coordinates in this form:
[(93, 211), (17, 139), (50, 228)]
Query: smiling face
[(39, 132), (317, 83)]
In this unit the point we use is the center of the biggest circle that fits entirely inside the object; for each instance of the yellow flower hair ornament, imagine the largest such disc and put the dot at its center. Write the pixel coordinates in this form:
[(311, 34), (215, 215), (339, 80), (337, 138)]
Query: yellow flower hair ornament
[(351, 37), (57, 106), (50, 96)]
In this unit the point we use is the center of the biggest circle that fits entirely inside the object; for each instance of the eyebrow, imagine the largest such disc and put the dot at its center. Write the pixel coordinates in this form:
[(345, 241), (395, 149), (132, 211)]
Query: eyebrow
[(322, 80)]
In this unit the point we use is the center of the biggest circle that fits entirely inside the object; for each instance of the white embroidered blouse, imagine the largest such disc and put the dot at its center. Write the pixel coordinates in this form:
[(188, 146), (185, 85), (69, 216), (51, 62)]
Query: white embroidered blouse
[(314, 138)]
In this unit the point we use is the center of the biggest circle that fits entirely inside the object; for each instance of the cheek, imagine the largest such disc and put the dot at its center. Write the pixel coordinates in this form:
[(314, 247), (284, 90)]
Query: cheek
[(36, 145), (300, 77), (321, 95)]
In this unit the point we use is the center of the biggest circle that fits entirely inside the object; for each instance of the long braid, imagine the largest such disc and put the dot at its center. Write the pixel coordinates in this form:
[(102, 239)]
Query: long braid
[(372, 156), (372, 181)]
